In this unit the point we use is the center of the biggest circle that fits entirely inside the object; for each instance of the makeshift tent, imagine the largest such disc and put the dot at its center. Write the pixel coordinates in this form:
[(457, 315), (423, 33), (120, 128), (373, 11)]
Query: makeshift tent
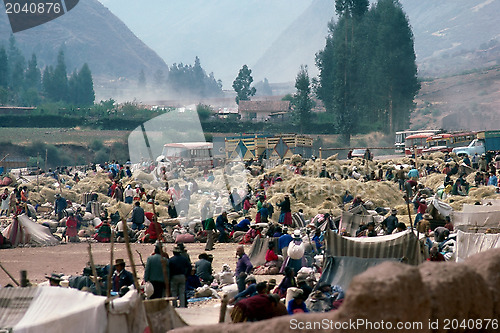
[(472, 243), (438, 209), (23, 230), (477, 219), (257, 253), (341, 270), (298, 221), (401, 245), (54, 310), (351, 222), (50, 309)]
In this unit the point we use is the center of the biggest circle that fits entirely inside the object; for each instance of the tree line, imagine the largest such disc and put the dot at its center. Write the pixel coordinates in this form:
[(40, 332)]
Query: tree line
[(22, 82), (184, 79)]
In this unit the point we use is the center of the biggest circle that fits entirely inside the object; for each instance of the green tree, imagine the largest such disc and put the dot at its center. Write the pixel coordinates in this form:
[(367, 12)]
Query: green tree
[(367, 69), (204, 111), (59, 87), (33, 74), (86, 86), (302, 101), (241, 85), (393, 69), (4, 68), (16, 68)]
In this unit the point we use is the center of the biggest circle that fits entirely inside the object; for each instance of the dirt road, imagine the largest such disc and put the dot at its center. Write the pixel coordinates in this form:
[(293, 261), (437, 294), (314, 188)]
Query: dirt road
[(70, 259)]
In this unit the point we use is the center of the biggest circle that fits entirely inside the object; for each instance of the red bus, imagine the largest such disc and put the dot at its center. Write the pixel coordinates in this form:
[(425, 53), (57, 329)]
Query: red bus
[(416, 142), (446, 142)]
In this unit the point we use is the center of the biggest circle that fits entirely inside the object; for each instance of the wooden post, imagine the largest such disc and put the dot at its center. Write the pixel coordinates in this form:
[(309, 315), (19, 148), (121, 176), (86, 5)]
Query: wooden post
[(129, 251), (11, 277), (223, 308), (110, 272), (24, 279), (409, 212), (94, 271), (320, 153), (163, 262)]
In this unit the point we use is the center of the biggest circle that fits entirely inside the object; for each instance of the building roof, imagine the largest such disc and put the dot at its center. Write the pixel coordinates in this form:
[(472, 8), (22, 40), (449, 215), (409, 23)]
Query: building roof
[(264, 106)]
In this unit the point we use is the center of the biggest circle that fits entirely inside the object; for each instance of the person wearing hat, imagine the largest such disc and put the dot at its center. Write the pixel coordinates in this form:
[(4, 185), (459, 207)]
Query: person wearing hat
[(296, 250), (271, 284), (424, 225), (390, 223), (302, 284), (54, 280), (184, 252), (137, 217), (121, 277), (179, 267), (59, 206), (296, 304), (251, 290), (154, 272), (103, 234), (283, 243)]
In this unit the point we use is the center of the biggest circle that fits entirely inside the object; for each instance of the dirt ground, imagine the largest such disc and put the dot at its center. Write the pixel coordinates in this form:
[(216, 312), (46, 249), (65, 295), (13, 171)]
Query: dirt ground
[(70, 259)]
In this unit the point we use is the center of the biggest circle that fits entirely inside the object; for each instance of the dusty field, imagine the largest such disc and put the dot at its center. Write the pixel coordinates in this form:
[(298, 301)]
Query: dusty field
[(70, 259)]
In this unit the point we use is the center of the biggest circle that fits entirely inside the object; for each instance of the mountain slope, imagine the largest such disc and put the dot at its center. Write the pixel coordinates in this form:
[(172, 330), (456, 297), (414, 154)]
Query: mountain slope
[(297, 45), (224, 34), (275, 37), (88, 33)]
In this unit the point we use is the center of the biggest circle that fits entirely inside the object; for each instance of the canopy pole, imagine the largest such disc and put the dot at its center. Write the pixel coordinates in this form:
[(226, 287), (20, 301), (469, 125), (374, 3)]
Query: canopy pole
[(94, 271), (11, 277), (110, 271)]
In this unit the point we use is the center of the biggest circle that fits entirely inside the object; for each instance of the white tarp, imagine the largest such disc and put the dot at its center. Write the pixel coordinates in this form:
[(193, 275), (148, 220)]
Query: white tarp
[(23, 230), (62, 310), (494, 202), (51, 310), (472, 243), (442, 207), (476, 221), (480, 209)]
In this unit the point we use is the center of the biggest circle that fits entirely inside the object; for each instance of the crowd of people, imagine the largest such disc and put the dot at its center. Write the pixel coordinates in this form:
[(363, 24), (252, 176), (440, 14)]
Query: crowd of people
[(228, 218)]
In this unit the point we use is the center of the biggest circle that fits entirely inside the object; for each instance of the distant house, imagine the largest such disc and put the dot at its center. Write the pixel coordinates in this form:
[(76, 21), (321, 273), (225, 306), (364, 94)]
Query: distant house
[(264, 110)]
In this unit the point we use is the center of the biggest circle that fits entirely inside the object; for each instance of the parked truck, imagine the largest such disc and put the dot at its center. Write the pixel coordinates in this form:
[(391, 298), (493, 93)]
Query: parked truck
[(485, 141)]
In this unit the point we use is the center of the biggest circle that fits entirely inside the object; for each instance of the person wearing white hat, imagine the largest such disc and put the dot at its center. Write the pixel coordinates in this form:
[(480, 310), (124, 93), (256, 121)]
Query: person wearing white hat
[(296, 250)]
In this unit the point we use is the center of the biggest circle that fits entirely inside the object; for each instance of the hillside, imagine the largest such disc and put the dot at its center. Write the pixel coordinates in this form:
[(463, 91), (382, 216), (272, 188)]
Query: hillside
[(88, 33), (466, 101), (275, 37)]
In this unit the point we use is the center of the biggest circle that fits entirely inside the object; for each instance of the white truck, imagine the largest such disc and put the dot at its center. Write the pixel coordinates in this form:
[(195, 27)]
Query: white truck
[(485, 141)]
